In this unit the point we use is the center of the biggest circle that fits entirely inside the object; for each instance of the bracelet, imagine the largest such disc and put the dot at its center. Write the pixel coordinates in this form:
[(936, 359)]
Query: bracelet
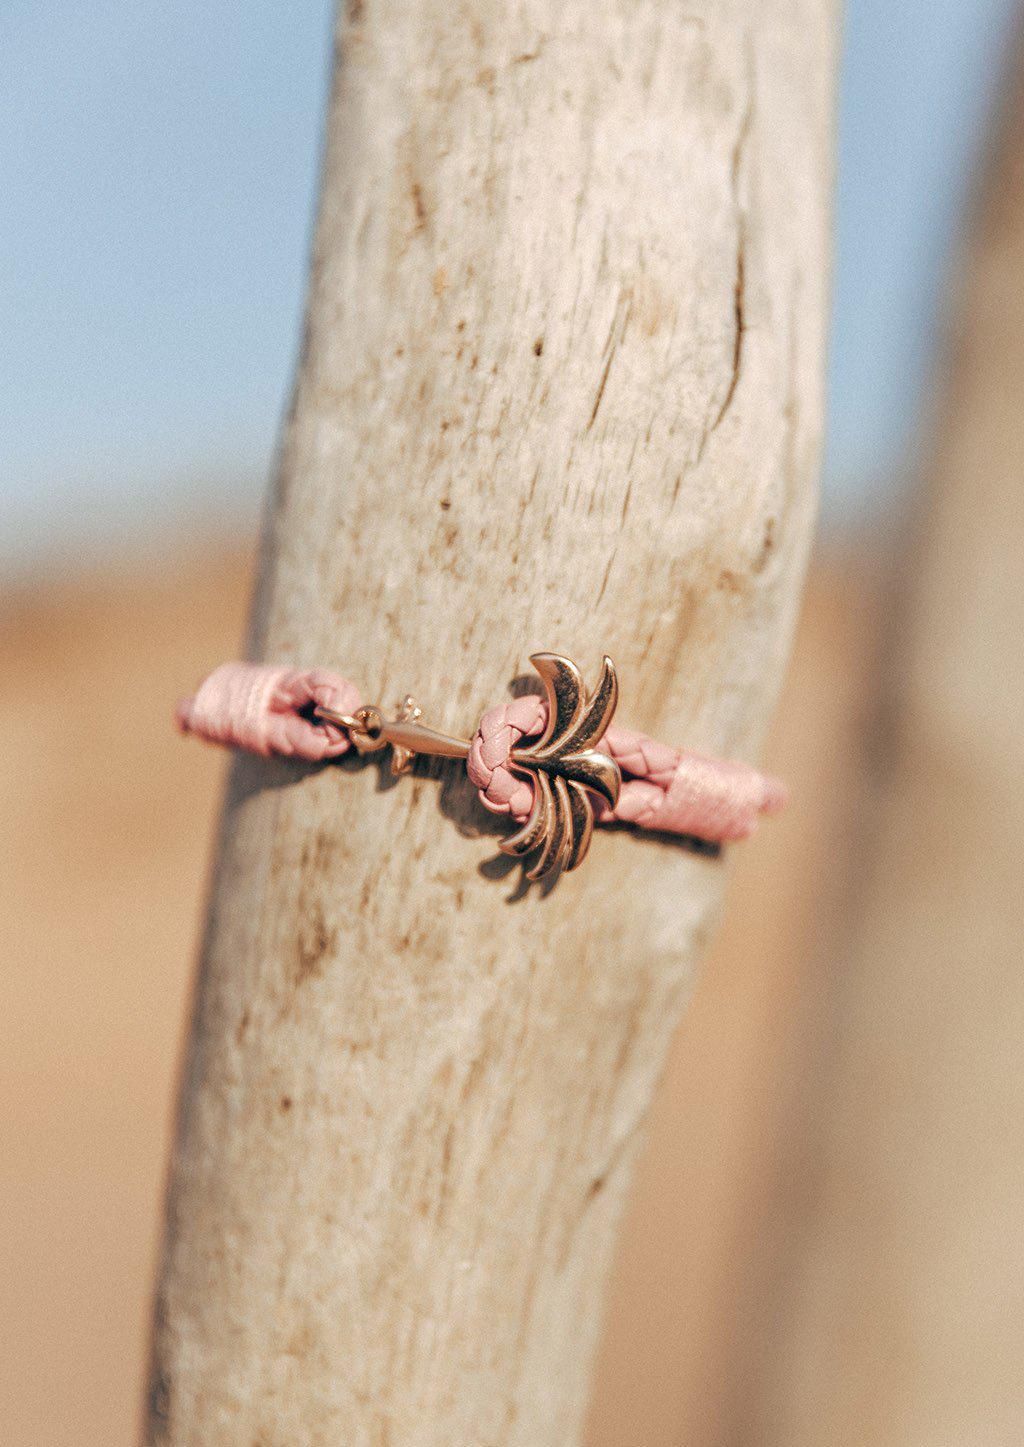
[(554, 763)]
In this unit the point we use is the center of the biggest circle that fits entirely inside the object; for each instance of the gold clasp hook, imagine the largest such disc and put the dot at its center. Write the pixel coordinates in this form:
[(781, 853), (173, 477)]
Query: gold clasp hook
[(371, 731)]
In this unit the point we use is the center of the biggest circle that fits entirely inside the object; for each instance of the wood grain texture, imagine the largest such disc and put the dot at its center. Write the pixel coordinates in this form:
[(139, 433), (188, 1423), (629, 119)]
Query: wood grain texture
[(560, 388), (903, 1320)]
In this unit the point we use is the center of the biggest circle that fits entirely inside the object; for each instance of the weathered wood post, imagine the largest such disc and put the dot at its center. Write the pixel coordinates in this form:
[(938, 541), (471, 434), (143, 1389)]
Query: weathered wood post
[(561, 388)]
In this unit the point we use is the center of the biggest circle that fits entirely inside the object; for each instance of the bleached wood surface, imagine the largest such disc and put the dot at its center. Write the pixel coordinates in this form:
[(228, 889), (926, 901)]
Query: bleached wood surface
[(560, 388), (904, 1320)]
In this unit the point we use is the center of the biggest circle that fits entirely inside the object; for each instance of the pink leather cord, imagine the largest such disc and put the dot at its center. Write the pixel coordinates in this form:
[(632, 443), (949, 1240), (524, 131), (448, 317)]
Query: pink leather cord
[(250, 706), (662, 788), (268, 711)]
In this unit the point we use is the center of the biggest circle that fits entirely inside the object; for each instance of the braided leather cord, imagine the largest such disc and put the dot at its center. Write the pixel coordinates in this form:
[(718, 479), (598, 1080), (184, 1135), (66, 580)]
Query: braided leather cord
[(663, 788), (269, 711)]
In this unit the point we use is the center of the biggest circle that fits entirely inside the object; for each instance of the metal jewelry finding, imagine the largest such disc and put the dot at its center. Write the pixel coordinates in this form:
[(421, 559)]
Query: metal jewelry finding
[(562, 764)]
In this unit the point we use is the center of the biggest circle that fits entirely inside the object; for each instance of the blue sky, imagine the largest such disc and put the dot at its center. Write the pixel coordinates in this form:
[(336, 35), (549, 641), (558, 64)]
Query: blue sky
[(159, 163)]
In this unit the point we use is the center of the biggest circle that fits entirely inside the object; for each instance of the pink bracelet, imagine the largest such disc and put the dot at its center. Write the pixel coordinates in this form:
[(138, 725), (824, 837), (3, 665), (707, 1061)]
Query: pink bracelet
[(568, 773)]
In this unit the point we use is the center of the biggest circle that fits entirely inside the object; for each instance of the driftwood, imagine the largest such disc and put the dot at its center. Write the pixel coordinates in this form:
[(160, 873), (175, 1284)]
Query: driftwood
[(903, 1320), (560, 388)]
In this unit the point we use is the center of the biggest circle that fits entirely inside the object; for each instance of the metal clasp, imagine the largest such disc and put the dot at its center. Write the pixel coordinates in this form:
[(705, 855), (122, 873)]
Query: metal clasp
[(370, 731), (563, 764)]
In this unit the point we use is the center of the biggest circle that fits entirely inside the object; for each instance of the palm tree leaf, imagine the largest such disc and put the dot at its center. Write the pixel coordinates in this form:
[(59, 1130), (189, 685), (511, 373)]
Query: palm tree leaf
[(582, 824), (556, 846), (592, 722), (563, 686), (595, 770), (536, 826)]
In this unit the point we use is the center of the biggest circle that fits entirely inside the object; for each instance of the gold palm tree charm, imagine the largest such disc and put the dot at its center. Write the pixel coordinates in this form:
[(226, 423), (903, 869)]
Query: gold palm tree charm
[(561, 764), (563, 767)]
